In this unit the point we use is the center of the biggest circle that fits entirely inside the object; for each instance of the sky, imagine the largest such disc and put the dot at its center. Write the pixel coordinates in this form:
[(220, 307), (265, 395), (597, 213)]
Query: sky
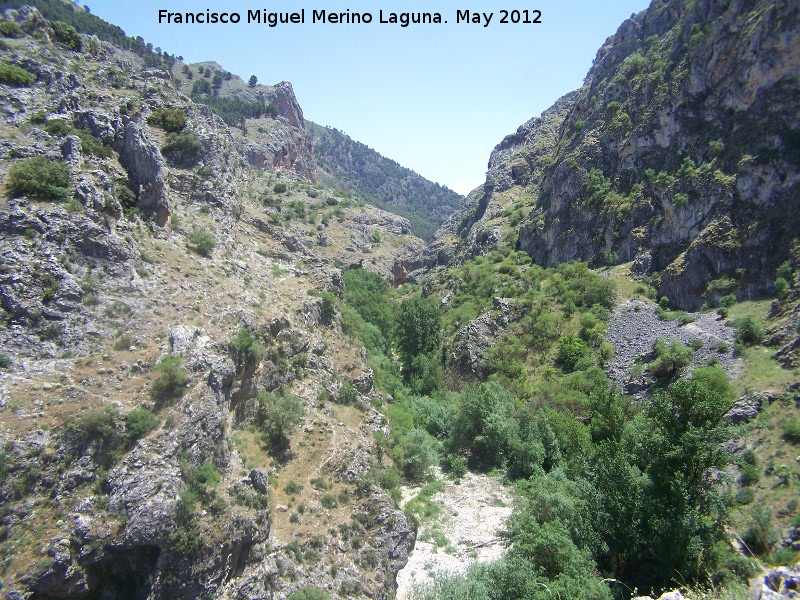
[(436, 98)]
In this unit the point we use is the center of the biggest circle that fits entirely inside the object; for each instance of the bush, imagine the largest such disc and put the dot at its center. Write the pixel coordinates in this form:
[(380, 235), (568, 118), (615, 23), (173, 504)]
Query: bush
[(279, 188), (5, 361), (15, 76), (670, 358), (749, 331), (246, 350), (138, 423), (750, 475), (66, 35), (309, 593), (183, 149), (791, 431), (39, 177), (745, 496), (781, 287), (124, 342), (170, 384), (10, 29), (170, 120), (571, 352), (277, 416), (329, 501), (202, 242)]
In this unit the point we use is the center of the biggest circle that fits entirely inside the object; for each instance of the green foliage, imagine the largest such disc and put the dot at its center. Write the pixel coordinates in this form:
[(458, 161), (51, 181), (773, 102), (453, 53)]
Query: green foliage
[(613, 106), (186, 538), (15, 76), (785, 271), (309, 593), (171, 383), (716, 147), (234, 111), (183, 149), (168, 119), (670, 358), (66, 35), (246, 351), (414, 453), (680, 200), (202, 242), (382, 182), (791, 431), (138, 423), (10, 29), (39, 177), (277, 417), (367, 293), (484, 424), (781, 287), (252, 81), (749, 331), (417, 332), (745, 496), (687, 169), (5, 361), (725, 304), (279, 188), (595, 187), (572, 353)]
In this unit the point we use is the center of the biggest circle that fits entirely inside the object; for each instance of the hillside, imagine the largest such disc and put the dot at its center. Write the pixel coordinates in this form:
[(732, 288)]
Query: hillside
[(382, 182), (225, 373)]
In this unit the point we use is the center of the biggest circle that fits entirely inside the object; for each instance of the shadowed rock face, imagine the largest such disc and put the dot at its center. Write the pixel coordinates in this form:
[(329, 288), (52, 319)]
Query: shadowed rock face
[(682, 145)]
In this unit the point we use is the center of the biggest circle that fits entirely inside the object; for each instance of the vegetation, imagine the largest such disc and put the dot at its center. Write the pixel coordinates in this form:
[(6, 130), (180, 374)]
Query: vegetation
[(234, 111), (168, 119), (202, 242), (40, 178), (15, 76), (171, 383), (382, 182), (66, 35), (183, 149), (277, 417)]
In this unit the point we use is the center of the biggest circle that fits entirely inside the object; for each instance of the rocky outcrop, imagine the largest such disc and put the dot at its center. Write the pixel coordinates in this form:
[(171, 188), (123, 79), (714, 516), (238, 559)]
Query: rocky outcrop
[(680, 144)]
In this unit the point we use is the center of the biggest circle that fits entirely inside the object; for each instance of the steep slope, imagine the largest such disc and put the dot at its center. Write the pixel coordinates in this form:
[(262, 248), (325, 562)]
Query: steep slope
[(383, 182), (680, 150), (170, 318)]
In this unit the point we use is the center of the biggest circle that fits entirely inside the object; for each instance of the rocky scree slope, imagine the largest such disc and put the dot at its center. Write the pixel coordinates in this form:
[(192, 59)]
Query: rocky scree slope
[(167, 255), (680, 151)]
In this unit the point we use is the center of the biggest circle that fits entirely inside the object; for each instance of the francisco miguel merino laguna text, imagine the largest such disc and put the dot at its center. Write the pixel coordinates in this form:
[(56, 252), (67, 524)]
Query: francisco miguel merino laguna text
[(404, 19)]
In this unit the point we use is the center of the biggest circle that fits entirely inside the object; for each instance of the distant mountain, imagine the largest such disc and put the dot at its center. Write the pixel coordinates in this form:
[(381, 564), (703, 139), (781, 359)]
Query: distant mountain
[(383, 182)]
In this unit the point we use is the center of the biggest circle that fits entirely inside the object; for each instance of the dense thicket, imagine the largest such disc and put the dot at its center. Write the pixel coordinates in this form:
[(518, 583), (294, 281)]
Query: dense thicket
[(606, 489), (382, 182)]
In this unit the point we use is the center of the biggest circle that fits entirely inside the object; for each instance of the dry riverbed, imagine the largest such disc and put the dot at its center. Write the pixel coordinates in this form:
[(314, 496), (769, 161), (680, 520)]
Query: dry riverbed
[(465, 530)]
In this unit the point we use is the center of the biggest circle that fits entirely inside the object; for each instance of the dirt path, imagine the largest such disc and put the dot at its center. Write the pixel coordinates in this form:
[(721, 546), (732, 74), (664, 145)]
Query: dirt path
[(465, 531)]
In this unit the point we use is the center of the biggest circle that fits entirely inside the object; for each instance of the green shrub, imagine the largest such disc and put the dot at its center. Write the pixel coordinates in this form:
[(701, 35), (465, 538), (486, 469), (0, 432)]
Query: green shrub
[(791, 431), (309, 593), (781, 287), (571, 352), (183, 149), (785, 271), (202, 242), (613, 106), (246, 351), (66, 35), (745, 496), (10, 29), (716, 147), (749, 331), (277, 416), (124, 342), (168, 119), (670, 358), (680, 199), (172, 381), (279, 188), (5, 361), (15, 76), (292, 487), (39, 177), (138, 423), (750, 474), (329, 501)]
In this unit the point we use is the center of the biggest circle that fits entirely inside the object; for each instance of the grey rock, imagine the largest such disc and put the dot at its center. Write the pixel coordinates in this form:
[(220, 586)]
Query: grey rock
[(260, 481)]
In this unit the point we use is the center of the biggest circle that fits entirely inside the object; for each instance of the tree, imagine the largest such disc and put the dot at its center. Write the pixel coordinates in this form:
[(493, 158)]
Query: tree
[(202, 242), (417, 331), (39, 177), (670, 358), (252, 81), (277, 417)]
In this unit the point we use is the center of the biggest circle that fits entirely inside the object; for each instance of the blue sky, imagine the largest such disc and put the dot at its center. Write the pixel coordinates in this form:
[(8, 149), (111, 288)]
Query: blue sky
[(435, 98)]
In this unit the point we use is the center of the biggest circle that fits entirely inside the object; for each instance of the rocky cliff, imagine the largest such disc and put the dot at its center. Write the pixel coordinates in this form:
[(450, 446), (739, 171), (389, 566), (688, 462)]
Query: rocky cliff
[(169, 294), (680, 151)]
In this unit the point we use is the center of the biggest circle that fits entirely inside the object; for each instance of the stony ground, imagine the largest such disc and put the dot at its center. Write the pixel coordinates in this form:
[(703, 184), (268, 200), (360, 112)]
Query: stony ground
[(465, 531), (635, 326)]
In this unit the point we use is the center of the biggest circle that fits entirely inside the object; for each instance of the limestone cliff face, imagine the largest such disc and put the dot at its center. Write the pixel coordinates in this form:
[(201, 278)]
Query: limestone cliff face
[(680, 150)]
